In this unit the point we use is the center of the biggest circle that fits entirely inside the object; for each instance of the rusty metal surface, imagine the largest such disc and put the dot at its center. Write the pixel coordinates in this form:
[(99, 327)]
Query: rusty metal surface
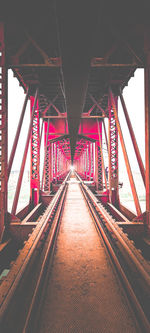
[(81, 281), (74, 51), (17, 271), (79, 220)]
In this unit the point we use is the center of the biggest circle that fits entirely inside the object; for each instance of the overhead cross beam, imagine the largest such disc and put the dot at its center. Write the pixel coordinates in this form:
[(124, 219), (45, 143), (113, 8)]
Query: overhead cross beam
[(75, 34)]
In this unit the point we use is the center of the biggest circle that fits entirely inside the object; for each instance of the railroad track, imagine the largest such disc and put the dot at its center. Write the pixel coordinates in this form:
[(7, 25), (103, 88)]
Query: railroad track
[(132, 268), (20, 288), (20, 292)]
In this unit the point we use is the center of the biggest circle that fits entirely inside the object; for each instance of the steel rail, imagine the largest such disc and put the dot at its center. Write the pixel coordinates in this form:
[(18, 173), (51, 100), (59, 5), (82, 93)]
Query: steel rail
[(125, 250), (130, 254), (48, 248), (133, 298), (145, 275), (10, 284), (50, 243)]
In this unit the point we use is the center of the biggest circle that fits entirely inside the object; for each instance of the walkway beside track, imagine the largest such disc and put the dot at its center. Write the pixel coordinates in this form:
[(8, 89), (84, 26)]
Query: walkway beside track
[(83, 293)]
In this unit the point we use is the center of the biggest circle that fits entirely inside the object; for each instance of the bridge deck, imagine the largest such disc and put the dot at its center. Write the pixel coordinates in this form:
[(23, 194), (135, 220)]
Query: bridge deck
[(83, 293)]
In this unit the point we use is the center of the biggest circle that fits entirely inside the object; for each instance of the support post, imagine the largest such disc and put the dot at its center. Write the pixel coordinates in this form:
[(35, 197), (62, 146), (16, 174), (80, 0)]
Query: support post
[(113, 155), (147, 130), (90, 160), (3, 133), (56, 162), (47, 169), (101, 152), (96, 166), (99, 166), (35, 157), (41, 132), (45, 152), (86, 162)]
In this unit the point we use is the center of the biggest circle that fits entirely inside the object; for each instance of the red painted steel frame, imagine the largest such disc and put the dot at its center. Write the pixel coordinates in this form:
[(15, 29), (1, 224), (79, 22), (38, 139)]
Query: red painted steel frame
[(96, 166), (3, 133), (147, 139), (46, 144), (90, 162), (47, 171), (113, 155), (101, 151), (35, 156)]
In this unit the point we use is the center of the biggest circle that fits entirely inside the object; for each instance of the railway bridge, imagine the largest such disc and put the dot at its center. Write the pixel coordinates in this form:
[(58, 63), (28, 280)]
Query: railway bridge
[(75, 258)]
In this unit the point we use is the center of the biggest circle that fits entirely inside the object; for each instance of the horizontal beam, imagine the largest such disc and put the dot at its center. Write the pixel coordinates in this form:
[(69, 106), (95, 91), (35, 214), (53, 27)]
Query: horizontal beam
[(115, 65), (11, 66), (96, 64), (65, 117)]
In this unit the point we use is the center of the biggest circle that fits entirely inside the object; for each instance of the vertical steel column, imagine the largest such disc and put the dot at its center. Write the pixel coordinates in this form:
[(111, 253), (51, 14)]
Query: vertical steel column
[(88, 161), (45, 151), (3, 133), (147, 132), (92, 159), (101, 152), (96, 166), (113, 155), (94, 144), (56, 162), (35, 156), (53, 159), (41, 131), (85, 172), (99, 157), (89, 149), (47, 169), (100, 174), (82, 163)]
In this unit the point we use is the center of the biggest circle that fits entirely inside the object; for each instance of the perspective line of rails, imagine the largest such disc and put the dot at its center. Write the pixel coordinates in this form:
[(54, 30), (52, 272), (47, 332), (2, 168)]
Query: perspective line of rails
[(36, 256)]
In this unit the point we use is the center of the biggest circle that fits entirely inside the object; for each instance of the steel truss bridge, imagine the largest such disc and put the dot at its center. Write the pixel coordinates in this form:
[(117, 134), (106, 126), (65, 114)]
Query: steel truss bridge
[(73, 60)]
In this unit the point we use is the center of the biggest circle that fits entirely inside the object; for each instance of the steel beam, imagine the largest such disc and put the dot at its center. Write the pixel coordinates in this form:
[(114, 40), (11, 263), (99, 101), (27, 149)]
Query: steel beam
[(46, 145), (113, 156), (147, 138), (47, 171), (96, 166), (97, 104), (101, 151), (35, 156), (49, 105), (3, 132)]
